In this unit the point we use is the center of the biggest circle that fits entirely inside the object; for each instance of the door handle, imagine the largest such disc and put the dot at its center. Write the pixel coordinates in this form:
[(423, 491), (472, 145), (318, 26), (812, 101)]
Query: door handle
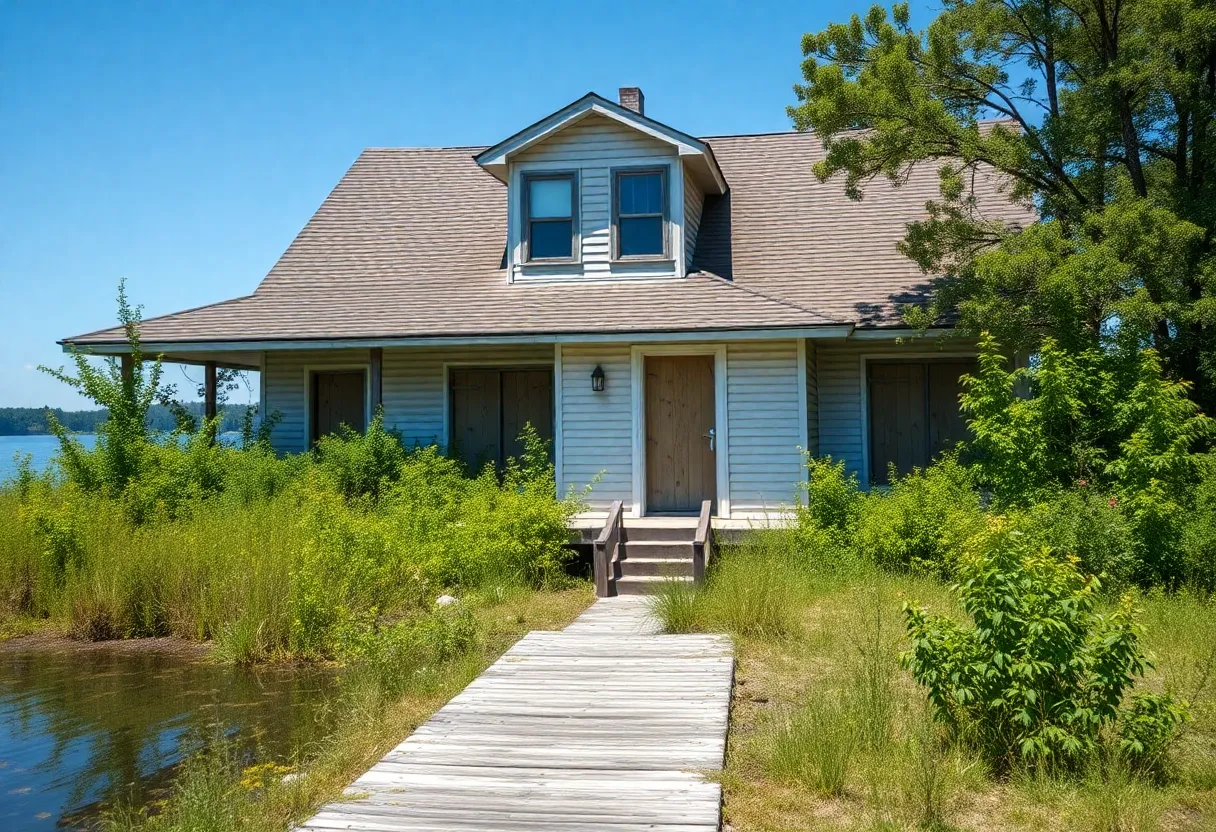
[(710, 436)]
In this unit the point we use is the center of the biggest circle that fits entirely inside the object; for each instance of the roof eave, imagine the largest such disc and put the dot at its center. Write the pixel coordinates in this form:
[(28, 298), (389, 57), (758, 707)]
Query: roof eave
[(833, 330)]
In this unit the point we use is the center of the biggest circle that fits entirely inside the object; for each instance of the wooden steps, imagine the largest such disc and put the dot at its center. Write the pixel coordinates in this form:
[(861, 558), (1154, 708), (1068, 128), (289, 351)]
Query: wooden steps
[(652, 553)]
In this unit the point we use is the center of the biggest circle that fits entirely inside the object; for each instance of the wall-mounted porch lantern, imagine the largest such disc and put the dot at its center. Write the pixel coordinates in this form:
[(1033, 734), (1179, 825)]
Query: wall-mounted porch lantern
[(597, 379)]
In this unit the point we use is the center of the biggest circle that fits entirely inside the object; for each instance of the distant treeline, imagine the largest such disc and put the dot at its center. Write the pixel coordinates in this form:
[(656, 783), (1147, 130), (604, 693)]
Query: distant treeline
[(19, 421)]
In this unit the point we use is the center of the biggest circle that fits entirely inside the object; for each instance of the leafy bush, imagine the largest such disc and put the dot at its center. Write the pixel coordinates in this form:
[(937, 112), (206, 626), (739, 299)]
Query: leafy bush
[(833, 496), (1089, 525), (362, 464), (1199, 532), (1040, 673), (922, 522)]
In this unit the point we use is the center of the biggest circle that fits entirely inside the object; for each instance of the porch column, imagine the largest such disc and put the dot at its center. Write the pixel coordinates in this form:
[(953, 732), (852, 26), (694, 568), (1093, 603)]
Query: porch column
[(377, 379), (209, 390)]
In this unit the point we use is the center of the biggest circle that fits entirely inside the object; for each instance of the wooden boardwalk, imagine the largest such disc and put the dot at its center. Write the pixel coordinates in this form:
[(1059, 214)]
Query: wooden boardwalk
[(604, 725)]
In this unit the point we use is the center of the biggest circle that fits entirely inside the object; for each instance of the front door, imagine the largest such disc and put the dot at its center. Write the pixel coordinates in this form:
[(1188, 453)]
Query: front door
[(338, 398), (681, 447)]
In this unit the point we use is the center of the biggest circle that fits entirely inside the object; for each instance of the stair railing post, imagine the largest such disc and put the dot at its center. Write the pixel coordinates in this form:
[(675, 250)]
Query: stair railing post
[(604, 551), (702, 543)]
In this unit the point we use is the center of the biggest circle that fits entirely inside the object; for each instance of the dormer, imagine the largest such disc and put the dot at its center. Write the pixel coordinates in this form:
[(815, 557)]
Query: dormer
[(598, 191)]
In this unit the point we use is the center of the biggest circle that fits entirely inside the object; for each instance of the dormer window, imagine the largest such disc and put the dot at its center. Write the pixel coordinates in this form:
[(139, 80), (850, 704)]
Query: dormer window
[(550, 211), (640, 214)]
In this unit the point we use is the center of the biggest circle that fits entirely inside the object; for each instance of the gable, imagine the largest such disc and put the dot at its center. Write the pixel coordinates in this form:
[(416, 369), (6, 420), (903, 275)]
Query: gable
[(595, 138), (496, 160)]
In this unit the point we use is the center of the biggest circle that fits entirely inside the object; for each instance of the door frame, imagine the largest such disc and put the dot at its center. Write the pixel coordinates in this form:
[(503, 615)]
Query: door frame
[(311, 369), (895, 357), (637, 366)]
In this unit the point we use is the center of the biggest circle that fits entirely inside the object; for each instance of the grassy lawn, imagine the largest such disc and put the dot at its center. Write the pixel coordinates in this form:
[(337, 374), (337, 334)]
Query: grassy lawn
[(828, 731)]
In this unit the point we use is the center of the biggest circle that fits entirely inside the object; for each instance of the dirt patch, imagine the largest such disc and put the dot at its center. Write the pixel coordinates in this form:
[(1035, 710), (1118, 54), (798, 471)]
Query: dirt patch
[(52, 642)]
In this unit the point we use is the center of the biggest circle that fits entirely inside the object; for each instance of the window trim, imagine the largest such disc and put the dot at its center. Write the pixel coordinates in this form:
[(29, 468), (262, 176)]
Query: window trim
[(526, 178), (664, 179)]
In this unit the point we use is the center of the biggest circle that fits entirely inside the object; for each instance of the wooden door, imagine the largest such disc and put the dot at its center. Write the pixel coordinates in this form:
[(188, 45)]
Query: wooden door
[(339, 397), (489, 408), (476, 415), (947, 425), (914, 413), (527, 398), (681, 467)]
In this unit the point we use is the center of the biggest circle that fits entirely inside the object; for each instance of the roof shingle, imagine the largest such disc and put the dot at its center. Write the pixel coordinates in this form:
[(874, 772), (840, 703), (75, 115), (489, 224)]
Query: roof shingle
[(411, 243)]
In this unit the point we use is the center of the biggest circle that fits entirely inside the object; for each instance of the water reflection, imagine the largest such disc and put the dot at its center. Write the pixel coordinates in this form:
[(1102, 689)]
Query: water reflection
[(81, 728)]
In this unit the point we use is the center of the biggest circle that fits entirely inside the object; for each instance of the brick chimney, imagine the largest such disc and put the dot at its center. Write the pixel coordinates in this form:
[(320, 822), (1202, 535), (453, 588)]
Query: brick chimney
[(631, 98)]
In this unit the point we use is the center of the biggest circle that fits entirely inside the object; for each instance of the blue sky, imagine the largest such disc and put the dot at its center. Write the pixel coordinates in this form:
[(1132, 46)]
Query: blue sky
[(182, 145)]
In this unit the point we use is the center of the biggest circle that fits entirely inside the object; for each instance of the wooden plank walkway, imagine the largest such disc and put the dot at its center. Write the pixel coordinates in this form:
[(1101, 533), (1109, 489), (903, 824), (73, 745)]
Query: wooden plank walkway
[(604, 725)]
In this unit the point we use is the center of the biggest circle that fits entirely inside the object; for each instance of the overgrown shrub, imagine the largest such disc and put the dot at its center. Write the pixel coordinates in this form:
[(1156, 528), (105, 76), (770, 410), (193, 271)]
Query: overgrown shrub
[(362, 464), (832, 495), (1040, 673), (922, 522), (1090, 525), (1199, 533)]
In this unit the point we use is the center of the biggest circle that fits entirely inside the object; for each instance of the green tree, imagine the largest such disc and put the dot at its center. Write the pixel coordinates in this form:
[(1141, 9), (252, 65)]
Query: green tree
[(127, 396), (1104, 115)]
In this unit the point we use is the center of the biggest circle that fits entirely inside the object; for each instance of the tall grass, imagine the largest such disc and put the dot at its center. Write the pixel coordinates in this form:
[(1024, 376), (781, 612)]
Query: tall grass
[(830, 731), (815, 746), (283, 557)]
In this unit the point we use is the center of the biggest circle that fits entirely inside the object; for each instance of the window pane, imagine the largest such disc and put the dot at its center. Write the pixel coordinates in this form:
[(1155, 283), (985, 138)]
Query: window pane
[(641, 236), (640, 193), (551, 238), (549, 198)]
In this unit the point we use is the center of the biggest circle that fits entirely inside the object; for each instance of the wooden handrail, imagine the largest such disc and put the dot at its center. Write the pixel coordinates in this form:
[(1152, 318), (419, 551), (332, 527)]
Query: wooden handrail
[(703, 543), (605, 551)]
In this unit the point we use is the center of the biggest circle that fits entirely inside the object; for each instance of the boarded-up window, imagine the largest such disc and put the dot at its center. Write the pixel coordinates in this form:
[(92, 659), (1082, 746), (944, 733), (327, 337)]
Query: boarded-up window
[(339, 397), (490, 407), (914, 413)]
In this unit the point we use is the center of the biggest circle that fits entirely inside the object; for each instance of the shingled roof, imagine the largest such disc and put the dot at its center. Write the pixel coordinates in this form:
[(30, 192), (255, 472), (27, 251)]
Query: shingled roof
[(411, 243)]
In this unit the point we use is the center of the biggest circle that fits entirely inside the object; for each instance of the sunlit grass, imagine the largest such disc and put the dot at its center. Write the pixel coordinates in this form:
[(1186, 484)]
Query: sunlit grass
[(829, 732)]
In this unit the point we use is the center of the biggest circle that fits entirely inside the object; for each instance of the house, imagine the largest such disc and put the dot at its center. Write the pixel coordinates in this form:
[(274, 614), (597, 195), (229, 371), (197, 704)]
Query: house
[(679, 315)]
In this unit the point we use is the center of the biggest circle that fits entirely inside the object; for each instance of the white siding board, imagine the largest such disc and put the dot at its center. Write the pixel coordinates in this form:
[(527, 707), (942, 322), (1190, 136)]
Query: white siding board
[(765, 424), (593, 147), (694, 203), (597, 428), (413, 385)]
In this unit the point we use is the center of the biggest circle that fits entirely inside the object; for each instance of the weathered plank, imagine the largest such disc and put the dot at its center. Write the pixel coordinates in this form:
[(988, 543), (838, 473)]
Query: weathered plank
[(562, 720)]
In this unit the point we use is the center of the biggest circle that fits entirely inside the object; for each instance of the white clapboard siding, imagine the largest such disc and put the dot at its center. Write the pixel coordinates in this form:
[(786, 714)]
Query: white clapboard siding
[(593, 147), (597, 428), (841, 422), (286, 389), (694, 203), (765, 424), (412, 385), (413, 382), (812, 400)]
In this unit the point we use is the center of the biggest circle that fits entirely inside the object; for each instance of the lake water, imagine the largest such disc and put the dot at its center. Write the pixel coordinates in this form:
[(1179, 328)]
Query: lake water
[(81, 728), (84, 726), (41, 448)]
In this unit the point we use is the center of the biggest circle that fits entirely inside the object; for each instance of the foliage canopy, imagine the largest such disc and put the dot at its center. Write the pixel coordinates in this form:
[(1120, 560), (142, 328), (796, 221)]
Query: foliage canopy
[(1099, 113)]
